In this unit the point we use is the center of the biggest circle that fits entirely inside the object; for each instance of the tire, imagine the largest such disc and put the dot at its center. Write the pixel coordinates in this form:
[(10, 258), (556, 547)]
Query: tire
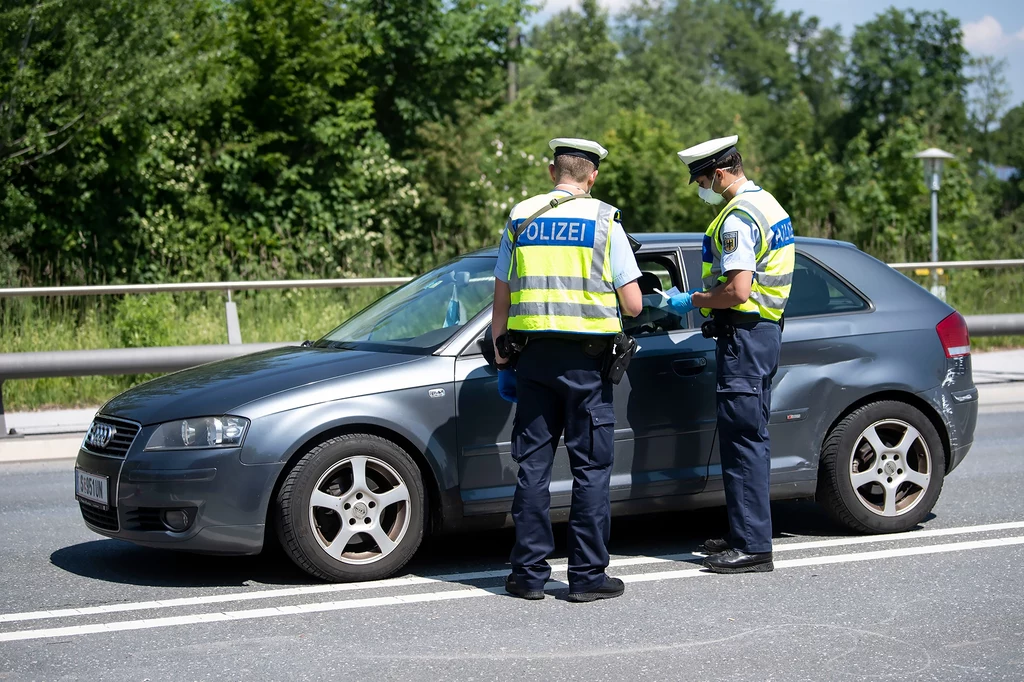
[(380, 523), (878, 476)]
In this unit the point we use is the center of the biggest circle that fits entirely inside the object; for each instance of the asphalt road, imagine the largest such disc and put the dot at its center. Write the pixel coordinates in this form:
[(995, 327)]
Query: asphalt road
[(942, 603)]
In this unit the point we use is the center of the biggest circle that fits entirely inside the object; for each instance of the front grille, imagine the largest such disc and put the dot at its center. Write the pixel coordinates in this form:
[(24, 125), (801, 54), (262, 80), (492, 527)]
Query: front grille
[(122, 440), (143, 518), (94, 516)]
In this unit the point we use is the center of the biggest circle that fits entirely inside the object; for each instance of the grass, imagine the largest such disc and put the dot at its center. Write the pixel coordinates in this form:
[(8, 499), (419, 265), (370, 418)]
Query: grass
[(290, 315), (154, 320)]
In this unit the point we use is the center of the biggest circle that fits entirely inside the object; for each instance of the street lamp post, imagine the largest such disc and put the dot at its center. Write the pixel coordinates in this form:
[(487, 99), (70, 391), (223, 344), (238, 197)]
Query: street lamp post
[(933, 160)]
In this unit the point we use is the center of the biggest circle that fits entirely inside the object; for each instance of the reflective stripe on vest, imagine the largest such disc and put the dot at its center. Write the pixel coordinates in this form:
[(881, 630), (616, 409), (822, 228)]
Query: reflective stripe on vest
[(773, 276), (560, 277)]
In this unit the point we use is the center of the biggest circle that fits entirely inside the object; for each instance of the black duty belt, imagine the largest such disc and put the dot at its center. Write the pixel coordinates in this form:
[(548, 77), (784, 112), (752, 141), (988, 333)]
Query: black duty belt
[(736, 317)]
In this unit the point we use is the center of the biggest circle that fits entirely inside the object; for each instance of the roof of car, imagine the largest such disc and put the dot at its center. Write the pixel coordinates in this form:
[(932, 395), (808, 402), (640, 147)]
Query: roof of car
[(686, 239)]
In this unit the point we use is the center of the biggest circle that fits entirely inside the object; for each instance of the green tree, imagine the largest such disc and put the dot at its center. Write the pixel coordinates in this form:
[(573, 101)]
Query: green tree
[(79, 83), (907, 64), (573, 52), (990, 97)]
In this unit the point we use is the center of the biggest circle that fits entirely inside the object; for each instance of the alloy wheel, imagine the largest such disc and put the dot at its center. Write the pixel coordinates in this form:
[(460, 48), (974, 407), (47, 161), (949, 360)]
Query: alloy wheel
[(359, 510), (891, 467)]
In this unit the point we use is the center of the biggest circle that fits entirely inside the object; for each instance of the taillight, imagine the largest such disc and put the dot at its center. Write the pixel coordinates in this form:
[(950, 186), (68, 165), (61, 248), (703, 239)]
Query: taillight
[(953, 334)]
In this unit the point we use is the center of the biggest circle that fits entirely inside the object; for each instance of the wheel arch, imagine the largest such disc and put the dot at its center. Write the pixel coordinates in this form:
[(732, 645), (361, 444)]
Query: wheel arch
[(430, 482), (926, 408)]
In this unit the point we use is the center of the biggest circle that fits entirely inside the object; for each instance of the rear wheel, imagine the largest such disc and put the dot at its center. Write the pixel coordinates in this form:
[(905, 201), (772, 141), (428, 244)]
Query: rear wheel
[(881, 469), (353, 508)]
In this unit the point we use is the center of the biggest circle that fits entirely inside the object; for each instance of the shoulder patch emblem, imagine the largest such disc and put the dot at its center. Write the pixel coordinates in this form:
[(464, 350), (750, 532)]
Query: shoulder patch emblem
[(729, 241)]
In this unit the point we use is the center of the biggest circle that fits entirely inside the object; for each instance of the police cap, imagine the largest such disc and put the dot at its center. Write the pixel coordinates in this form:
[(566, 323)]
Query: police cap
[(574, 146), (705, 155)]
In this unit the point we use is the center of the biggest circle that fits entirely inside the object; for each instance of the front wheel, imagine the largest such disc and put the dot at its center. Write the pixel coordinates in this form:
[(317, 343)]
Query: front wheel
[(881, 469), (352, 509)]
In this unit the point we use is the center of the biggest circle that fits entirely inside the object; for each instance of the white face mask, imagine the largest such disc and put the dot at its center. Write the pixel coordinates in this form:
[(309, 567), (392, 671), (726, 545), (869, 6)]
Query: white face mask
[(710, 196)]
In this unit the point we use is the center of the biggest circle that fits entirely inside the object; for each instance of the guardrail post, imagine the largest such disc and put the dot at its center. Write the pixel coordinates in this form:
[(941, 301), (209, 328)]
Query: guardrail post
[(234, 330), (3, 421)]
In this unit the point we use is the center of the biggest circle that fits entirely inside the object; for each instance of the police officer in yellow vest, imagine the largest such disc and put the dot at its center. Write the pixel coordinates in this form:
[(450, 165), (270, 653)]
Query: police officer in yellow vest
[(565, 275), (748, 257)]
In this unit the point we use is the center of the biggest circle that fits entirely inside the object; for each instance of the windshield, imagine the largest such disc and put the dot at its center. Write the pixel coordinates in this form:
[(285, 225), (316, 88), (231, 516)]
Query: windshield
[(423, 314)]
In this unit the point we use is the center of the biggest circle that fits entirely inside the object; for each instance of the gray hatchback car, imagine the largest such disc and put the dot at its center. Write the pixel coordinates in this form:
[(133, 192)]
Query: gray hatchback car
[(348, 450)]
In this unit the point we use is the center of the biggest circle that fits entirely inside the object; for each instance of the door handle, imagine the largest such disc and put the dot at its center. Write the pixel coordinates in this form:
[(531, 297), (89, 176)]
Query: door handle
[(689, 367)]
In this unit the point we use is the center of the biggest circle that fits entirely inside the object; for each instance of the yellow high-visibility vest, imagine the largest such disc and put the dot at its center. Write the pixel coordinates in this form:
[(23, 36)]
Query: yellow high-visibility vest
[(773, 276), (560, 277)]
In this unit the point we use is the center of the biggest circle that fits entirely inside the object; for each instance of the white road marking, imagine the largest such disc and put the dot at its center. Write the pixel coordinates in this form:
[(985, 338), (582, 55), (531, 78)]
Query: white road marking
[(865, 539), (476, 575), (842, 558), (447, 595)]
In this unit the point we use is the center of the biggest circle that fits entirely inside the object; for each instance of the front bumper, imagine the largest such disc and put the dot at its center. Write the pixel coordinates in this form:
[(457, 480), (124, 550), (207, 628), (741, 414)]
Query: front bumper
[(226, 501)]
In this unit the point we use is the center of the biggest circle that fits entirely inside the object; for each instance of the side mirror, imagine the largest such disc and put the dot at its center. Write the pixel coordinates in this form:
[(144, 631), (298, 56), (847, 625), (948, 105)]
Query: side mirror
[(487, 346)]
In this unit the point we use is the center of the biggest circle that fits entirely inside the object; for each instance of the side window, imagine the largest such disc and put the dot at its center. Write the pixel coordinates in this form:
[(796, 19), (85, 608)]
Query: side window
[(816, 291), (659, 271)]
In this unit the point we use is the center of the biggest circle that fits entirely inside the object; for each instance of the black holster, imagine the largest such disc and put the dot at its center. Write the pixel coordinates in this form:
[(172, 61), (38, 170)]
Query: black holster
[(618, 355), (510, 345), (714, 329)]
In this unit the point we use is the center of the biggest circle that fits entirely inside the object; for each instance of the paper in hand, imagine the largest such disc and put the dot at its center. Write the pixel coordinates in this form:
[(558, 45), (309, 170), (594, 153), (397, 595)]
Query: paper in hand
[(668, 294)]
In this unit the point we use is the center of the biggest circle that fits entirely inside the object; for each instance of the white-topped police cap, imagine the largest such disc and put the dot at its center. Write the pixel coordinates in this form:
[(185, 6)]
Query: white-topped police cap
[(574, 146), (704, 155)]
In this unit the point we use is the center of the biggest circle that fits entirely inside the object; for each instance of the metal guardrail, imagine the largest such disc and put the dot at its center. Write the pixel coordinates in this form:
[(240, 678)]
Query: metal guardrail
[(173, 358), (995, 325), (169, 359), (262, 285), (75, 363), (106, 289), (231, 309), (959, 265)]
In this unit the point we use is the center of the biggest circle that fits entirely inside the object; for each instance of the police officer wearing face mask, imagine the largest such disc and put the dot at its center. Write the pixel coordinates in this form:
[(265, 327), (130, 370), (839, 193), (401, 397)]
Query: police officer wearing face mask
[(748, 256), (565, 275)]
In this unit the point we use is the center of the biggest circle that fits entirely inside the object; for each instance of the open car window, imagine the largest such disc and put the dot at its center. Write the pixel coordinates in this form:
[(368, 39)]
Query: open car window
[(659, 271)]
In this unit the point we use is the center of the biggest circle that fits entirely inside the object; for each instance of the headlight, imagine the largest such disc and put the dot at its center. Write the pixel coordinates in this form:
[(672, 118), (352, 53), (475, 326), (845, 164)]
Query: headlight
[(201, 432)]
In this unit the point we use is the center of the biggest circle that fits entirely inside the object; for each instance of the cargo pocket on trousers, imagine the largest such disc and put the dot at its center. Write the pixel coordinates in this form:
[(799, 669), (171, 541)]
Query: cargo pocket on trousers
[(602, 435), (736, 383), (739, 403)]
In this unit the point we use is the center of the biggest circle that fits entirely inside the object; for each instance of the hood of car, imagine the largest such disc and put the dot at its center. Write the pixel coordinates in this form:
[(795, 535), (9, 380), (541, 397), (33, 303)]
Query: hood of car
[(218, 387)]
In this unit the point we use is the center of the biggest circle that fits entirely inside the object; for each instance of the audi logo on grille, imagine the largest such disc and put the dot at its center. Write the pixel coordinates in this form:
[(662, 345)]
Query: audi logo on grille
[(100, 435)]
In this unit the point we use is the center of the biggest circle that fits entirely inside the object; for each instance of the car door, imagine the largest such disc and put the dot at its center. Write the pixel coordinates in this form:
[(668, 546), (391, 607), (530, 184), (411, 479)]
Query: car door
[(667, 397), (487, 473), (664, 409)]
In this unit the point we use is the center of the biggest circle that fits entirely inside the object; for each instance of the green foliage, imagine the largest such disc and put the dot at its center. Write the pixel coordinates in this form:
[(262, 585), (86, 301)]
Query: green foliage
[(191, 139), (150, 320), (206, 139), (907, 64)]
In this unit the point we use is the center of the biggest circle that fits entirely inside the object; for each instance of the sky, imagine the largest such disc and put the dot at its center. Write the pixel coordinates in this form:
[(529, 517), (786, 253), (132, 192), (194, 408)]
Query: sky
[(991, 27)]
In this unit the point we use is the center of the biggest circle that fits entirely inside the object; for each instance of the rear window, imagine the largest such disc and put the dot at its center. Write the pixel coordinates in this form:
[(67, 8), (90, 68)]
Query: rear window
[(816, 291)]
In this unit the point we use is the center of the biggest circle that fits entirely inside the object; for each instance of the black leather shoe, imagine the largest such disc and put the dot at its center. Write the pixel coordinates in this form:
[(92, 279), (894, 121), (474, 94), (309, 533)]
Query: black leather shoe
[(612, 587), (714, 546), (515, 589), (735, 561)]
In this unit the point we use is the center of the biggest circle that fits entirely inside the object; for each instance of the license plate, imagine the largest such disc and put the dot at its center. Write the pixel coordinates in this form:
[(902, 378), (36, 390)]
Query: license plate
[(91, 488)]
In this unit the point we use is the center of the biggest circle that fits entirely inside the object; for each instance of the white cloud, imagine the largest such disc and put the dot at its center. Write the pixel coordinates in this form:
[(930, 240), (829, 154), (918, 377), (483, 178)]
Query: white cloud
[(986, 36)]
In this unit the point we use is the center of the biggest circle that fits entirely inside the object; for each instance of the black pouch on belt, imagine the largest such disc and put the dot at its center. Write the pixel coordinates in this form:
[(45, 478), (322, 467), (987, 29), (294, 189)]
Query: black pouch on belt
[(620, 354), (510, 346)]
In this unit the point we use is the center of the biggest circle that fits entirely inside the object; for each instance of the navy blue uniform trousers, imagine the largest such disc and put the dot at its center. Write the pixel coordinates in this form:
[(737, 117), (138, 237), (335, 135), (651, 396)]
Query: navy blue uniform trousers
[(560, 390), (747, 363)]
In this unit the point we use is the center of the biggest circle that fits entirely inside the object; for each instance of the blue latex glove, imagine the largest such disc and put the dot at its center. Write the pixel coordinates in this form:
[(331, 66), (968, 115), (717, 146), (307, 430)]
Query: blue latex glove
[(681, 303), (507, 385)]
